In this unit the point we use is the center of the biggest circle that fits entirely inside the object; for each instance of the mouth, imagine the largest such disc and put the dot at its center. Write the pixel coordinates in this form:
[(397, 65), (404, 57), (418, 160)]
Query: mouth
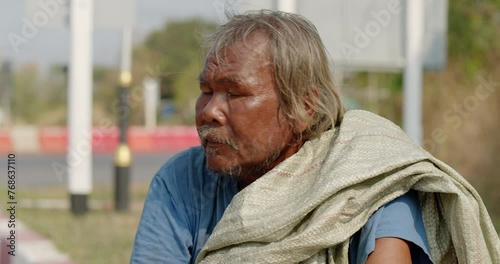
[(212, 139), (213, 143), (212, 148)]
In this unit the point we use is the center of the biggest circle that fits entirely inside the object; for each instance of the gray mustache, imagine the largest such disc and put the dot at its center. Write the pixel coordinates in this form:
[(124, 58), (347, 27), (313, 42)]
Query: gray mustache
[(206, 132)]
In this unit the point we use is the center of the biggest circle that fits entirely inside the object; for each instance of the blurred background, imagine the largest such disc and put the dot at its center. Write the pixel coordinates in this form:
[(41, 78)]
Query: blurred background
[(460, 98)]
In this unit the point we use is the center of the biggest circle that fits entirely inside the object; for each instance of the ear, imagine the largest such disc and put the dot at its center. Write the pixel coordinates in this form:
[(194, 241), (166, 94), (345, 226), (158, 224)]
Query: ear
[(309, 105), (299, 127)]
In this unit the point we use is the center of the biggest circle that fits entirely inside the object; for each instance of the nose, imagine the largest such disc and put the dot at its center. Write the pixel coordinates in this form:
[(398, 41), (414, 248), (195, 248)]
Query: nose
[(212, 109)]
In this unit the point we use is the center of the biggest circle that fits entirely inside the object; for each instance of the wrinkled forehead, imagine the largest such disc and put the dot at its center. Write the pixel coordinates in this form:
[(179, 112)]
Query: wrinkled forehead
[(252, 48)]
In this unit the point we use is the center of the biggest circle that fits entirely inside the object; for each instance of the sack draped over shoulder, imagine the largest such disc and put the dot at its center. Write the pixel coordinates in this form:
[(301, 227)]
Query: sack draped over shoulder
[(306, 208)]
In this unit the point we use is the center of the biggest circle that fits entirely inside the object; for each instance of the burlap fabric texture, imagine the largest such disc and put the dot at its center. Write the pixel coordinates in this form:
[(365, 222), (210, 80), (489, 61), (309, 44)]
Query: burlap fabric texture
[(306, 208)]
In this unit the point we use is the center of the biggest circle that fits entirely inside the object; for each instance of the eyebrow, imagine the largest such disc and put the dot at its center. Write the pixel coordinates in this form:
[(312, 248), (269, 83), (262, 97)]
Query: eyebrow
[(201, 79), (224, 79)]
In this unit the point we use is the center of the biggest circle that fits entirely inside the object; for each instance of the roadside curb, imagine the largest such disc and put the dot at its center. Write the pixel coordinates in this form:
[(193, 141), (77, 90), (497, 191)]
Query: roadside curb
[(30, 247)]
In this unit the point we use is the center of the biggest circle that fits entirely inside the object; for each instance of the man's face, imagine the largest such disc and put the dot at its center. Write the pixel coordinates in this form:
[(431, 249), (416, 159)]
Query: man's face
[(237, 116)]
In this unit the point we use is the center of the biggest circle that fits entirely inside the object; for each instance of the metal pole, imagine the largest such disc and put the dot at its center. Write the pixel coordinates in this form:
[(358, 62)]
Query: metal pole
[(412, 112), (79, 157), (123, 156)]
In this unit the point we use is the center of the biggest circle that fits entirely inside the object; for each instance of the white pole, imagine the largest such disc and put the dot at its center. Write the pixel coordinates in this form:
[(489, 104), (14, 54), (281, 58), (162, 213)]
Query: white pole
[(126, 63), (412, 112), (79, 157), (151, 94), (289, 6)]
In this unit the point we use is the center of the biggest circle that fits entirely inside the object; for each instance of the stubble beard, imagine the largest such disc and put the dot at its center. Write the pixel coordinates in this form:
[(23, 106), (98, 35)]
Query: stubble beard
[(241, 172), (237, 171)]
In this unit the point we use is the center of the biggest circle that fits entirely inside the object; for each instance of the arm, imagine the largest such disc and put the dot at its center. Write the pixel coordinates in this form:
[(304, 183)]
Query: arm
[(390, 250), (395, 233), (163, 233)]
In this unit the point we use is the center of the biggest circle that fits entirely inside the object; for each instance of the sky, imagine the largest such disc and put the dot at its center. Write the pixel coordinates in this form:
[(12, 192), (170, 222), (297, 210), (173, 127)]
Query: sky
[(359, 34), (50, 45)]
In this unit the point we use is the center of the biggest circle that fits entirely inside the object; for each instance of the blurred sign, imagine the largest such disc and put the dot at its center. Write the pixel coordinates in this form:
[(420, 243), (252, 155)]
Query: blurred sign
[(108, 14), (370, 35)]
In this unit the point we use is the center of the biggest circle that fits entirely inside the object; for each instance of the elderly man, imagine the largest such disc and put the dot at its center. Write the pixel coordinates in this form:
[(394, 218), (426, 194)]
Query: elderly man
[(285, 176)]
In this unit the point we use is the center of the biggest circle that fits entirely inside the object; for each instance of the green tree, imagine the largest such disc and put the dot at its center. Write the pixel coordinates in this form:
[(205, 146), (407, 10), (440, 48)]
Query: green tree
[(185, 96), (473, 33), (38, 99), (173, 54), (26, 104), (176, 47)]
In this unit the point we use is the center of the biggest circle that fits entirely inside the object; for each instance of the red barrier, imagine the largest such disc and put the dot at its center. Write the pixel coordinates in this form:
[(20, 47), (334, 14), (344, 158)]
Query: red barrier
[(53, 140), (105, 140), (174, 139), (5, 142), (140, 140)]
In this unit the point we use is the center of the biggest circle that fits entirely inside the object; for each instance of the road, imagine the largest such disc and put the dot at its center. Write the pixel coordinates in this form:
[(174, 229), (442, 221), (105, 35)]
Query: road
[(49, 170)]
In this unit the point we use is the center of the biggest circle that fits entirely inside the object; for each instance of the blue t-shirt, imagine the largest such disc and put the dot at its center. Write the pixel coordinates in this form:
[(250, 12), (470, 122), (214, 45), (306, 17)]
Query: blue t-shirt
[(185, 201), (401, 218)]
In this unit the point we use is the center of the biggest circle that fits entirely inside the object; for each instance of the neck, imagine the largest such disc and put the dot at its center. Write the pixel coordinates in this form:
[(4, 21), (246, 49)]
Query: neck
[(286, 152), (242, 183)]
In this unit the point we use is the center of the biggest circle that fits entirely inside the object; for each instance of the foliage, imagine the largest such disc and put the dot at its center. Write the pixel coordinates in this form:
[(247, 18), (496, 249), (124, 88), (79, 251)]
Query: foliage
[(173, 55), (177, 46), (473, 33), (36, 100), (105, 96), (189, 89)]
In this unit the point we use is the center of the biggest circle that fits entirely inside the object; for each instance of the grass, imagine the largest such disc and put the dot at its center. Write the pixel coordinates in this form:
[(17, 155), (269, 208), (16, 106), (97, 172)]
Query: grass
[(100, 236)]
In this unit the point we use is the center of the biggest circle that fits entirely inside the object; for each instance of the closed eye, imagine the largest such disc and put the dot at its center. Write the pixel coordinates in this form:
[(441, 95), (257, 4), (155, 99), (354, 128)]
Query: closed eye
[(207, 92), (205, 89), (233, 95)]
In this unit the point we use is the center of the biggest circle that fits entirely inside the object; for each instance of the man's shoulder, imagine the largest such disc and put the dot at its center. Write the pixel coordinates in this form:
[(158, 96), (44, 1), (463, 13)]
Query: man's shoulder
[(189, 157), (183, 165)]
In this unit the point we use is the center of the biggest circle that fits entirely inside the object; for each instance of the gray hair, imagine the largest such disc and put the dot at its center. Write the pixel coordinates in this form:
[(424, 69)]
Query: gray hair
[(300, 65)]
